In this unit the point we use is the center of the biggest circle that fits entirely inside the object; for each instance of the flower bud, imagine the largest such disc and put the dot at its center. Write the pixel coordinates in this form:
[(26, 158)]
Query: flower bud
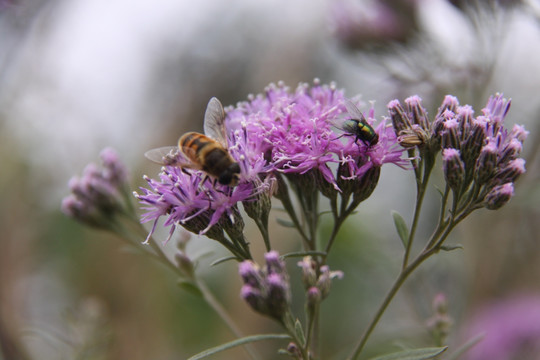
[(274, 263), (294, 351), (400, 120), (366, 184), (309, 273), (450, 138), (510, 172), (440, 322), (259, 207), (449, 103), (417, 112), (254, 298), (250, 273), (473, 143), (313, 298), (511, 151), (499, 196), (325, 280), (278, 297), (485, 165), (453, 167)]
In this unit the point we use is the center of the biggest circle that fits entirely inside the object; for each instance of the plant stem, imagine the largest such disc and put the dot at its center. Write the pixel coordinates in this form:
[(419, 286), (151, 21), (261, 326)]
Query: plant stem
[(404, 274), (421, 191)]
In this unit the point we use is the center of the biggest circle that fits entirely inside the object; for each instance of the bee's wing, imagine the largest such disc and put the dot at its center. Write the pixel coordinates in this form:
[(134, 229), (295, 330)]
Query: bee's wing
[(167, 155), (214, 122), (353, 110)]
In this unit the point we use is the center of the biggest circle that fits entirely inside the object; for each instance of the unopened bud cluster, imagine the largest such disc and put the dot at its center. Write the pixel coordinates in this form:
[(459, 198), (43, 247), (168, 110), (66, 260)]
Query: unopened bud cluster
[(266, 290), (479, 155), (317, 280), (98, 194), (441, 322)]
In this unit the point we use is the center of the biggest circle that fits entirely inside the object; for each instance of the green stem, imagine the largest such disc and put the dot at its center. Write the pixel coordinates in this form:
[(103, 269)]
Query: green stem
[(311, 326), (263, 229), (404, 274), (288, 323), (337, 225), (287, 204), (421, 191)]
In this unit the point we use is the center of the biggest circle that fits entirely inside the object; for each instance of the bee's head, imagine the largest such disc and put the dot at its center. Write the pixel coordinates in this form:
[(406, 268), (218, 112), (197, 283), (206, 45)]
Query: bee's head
[(231, 176)]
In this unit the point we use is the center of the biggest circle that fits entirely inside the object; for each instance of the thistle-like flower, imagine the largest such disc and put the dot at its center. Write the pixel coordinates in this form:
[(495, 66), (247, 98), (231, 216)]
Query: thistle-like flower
[(282, 132)]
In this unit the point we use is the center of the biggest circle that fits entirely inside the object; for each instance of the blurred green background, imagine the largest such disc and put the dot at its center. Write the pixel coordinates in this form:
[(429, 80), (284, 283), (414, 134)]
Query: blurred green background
[(76, 76)]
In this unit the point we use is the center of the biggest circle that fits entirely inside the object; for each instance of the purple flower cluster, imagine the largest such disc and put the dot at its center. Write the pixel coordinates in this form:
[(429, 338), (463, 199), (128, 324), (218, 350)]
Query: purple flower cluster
[(480, 156), (99, 193), (266, 290), (280, 132)]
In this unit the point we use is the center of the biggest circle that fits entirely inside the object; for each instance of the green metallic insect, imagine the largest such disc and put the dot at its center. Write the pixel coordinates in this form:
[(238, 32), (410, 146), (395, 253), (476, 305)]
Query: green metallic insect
[(358, 126)]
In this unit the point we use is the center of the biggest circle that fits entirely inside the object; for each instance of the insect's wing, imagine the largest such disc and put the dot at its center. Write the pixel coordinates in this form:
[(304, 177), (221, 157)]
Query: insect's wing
[(353, 110), (214, 122), (167, 155)]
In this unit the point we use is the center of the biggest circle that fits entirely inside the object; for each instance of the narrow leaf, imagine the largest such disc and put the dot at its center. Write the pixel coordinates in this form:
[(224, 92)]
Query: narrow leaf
[(414, 354), (285, 223), (451, 247), (401, 228), (299, 332), (439, 191), (222, 260), (302, 254), (466, 347), (237, 342)]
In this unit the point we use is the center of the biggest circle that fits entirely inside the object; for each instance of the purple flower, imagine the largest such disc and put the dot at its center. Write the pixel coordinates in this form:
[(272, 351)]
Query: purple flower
[(191, 200), (511, 328), (98, 194), (280, 132), (296, 133)]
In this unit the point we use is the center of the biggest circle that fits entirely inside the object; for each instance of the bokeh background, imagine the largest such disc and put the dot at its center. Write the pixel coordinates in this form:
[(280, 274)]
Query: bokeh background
[(79, 75)]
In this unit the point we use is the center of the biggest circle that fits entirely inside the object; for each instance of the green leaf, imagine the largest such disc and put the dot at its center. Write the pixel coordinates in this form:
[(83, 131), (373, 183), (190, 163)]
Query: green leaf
[(401, 228), (237, 342), (190, 287), (219, 261), (299, 333), (415, 354), (285, 223), (303, 253), (466, 347), (452, 247)]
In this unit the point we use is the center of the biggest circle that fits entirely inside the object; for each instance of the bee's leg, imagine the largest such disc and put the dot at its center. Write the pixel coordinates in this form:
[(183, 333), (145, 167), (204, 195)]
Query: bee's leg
[(185, 171)]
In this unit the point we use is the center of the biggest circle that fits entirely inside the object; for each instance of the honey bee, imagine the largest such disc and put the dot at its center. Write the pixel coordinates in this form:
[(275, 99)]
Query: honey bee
[(206, 152), (358, 126)]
